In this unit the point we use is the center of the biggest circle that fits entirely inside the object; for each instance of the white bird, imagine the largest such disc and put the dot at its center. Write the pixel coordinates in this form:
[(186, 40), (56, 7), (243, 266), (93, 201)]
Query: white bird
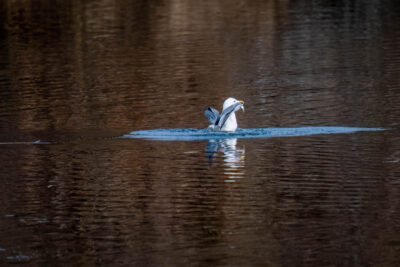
[(226, 121)]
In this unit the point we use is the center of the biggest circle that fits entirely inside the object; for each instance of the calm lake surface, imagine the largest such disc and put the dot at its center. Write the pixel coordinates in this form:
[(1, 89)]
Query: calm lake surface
[(77, 75)]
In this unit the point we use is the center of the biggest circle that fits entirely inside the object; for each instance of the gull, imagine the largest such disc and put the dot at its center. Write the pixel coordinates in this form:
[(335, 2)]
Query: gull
[(226, 121)]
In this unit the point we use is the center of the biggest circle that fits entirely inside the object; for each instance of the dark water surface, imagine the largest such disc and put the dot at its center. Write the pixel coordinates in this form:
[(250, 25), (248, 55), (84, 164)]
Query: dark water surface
[(77, 74)]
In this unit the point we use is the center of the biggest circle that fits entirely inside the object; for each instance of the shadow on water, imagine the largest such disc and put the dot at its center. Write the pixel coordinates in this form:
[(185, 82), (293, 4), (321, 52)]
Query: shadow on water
[(234, 158)]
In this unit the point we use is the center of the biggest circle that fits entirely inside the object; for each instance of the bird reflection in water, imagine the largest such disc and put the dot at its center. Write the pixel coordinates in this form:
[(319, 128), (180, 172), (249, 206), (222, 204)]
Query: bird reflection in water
[(233, 157)]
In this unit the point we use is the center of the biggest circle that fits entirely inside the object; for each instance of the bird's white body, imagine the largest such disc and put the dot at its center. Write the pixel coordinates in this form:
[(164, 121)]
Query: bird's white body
[(230, 124)]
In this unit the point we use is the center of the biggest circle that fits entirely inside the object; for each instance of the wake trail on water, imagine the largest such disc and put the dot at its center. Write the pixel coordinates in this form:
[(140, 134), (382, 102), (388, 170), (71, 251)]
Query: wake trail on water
[(191, 134), (37, 142)]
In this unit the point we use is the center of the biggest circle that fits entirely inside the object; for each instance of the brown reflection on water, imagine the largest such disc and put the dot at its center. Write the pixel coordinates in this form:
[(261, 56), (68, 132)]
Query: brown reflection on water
[(77, 74), (128, 66), (309, 201)]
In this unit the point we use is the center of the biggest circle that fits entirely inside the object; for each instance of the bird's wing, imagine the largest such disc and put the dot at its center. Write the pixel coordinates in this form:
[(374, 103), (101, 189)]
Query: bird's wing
[(212, 114), (225, 114)]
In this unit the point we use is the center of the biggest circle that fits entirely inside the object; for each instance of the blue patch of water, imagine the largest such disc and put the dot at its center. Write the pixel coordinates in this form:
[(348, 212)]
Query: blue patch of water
[(190, 134)]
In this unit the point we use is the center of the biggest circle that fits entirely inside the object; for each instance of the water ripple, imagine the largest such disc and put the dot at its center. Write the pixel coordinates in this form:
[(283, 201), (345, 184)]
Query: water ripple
[(205, 134)]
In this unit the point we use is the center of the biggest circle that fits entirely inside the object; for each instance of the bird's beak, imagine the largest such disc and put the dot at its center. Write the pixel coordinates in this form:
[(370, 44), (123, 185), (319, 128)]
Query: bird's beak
[(241, 101)]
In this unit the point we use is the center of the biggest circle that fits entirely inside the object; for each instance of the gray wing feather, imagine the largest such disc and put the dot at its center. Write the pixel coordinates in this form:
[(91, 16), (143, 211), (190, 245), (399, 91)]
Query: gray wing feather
[(225, 114), (212, 114)]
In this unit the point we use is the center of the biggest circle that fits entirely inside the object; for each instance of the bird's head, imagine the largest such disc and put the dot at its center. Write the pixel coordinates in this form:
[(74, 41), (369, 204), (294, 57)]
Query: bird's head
[(230, 101)]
